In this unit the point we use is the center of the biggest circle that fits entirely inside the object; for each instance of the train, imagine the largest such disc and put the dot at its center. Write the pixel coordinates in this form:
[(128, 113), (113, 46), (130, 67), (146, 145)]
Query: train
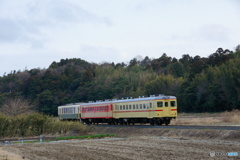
[(155, 110)]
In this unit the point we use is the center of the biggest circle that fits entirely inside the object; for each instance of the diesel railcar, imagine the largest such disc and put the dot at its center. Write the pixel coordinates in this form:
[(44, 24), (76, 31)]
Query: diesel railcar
[(157, 110)]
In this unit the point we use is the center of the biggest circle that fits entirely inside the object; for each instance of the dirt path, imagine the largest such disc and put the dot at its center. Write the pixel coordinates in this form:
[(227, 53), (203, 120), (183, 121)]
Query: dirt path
[(141, 147)]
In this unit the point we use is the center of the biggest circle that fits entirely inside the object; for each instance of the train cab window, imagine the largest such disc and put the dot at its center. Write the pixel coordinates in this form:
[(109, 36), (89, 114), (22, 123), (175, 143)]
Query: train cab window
[(126, 107), (160, 104), (166, 104), (134, 106), (172, 103), (130, 107)]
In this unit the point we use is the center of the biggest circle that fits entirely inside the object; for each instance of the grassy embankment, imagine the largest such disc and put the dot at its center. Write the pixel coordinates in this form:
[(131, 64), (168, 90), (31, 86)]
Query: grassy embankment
[(38, 124)]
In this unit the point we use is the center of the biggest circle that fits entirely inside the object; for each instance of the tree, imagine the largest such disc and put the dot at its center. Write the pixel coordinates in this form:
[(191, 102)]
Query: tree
[(46, 100), (16, 106)]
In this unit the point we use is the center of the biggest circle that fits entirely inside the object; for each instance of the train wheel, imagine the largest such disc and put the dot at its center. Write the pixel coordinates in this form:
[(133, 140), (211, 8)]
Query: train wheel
[(110, 122), (157, 121), (167, 122), (151, 121), (133, 122), (160, 122), (121, 121)]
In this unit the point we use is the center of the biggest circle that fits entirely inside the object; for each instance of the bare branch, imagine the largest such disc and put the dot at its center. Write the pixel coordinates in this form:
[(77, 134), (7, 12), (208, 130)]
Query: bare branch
[(16, 106)]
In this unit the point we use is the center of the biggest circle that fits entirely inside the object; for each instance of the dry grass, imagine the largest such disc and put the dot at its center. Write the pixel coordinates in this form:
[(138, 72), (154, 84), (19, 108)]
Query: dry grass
[(232, 117), (195, 121), (37, 124), (224, 118)]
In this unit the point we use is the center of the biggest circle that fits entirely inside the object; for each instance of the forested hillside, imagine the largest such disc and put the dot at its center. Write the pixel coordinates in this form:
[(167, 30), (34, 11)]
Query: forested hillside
[(201, 84)]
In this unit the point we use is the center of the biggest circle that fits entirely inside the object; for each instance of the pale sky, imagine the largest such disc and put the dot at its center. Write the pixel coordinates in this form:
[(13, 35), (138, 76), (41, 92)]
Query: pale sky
[(34, 33)]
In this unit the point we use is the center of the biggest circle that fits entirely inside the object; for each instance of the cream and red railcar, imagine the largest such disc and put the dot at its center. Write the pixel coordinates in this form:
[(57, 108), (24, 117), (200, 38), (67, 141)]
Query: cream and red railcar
[(97, 112), (154, 110)]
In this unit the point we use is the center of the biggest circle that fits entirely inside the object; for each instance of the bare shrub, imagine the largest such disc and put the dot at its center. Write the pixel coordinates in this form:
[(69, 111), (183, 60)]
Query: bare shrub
[(17, 106), (232, 117), (38, 124)]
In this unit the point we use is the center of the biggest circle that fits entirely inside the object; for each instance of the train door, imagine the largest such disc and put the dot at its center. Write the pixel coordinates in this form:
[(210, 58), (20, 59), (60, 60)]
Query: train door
[(167, 108), (160, 110), (79, 112), (173, 108), (151, 108), (60, 113)]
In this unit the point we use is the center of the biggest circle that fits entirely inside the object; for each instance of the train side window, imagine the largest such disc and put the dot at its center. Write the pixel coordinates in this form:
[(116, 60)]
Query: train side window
[(150, 104), (134, 106), (130, 107), (120, 107), (126, 107), (140, 106), (166, 104), (160, 104), (123, 107), (173, 103), (144, 106)]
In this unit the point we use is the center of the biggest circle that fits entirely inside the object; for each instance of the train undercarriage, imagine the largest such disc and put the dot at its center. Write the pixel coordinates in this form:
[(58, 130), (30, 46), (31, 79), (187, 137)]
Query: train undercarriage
[(129, 121)]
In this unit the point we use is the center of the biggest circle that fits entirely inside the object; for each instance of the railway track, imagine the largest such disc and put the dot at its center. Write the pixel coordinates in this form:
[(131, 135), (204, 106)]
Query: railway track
[(174, 127)]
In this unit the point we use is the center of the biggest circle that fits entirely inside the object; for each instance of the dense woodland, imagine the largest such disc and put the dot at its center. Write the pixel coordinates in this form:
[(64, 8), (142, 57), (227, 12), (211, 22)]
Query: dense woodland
[(201, 84)]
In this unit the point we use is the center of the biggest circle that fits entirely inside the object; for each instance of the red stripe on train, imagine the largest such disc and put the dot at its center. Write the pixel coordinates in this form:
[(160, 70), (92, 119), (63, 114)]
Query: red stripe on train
[(138, 111), (96, 117)]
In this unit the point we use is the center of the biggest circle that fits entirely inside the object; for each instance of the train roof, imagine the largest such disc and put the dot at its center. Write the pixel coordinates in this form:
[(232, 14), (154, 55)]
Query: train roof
[(130, 100), (71, 105)]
